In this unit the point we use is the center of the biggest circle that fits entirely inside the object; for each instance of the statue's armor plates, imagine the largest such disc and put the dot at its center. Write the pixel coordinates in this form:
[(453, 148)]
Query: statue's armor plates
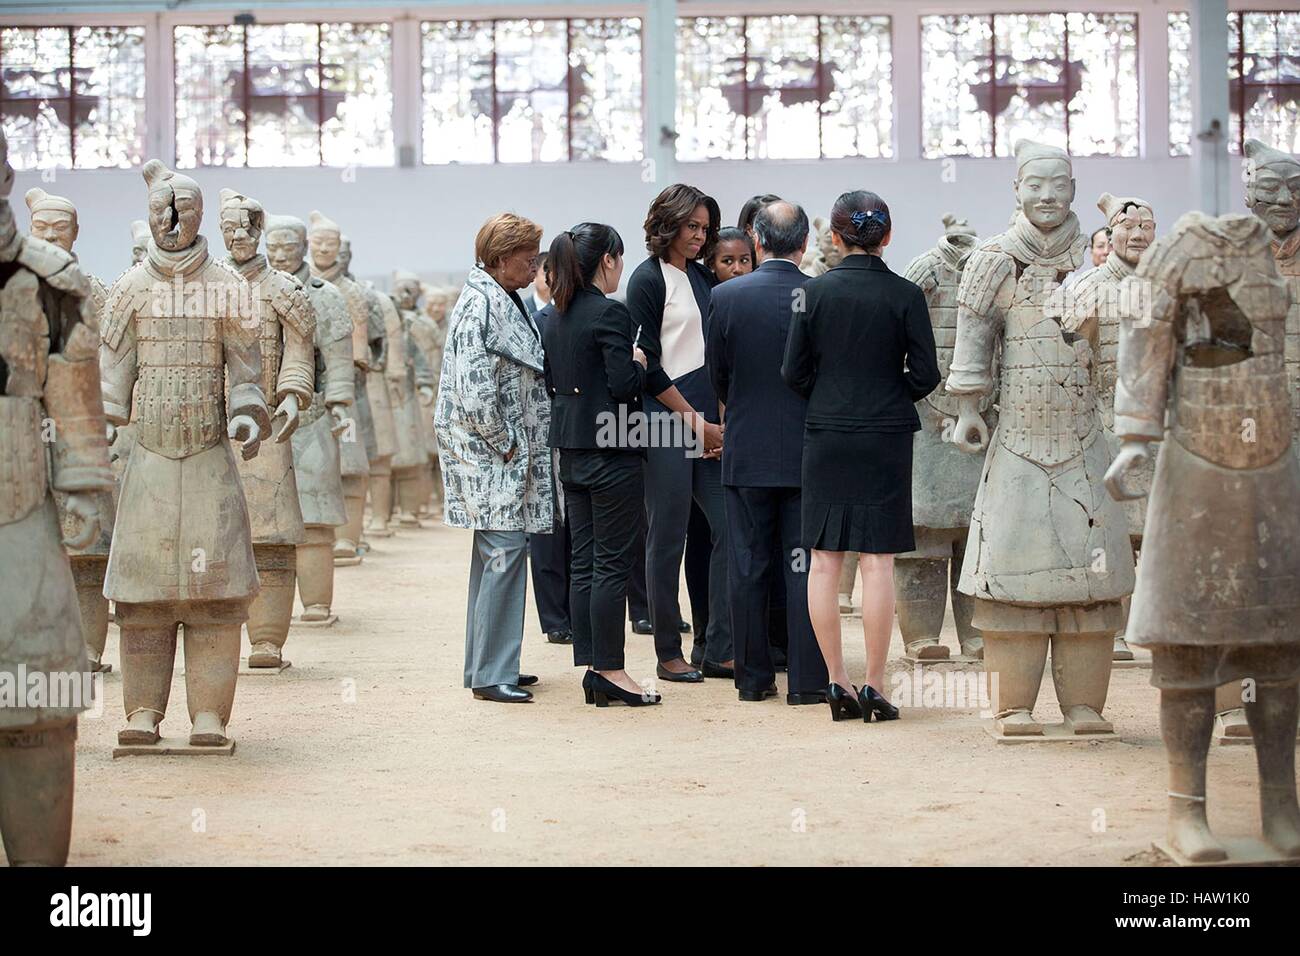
[(23, 481), (1289, 266), (180, 385)]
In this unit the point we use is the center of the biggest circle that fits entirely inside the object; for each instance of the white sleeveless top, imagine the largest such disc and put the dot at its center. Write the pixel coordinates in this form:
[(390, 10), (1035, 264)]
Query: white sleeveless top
[(681, 336)]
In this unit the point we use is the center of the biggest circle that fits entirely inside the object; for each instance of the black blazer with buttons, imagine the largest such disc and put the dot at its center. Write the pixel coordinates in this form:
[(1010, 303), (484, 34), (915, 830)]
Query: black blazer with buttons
[(595, 385)]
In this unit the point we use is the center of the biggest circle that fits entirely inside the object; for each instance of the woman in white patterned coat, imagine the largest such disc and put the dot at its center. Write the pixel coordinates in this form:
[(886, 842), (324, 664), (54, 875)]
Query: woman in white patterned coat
[(492, 419)]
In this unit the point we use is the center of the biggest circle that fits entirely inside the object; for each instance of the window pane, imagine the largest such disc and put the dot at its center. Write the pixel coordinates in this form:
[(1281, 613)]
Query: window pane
[(1029, 72), (110, 96), (283, 79), (1268, 91), (1104, 84), (35, 66), (710, 88), (457, 71), (605, 59), (209, 94), (357, 93), (783, 64), (858, 105), (1180, 83), (957, 85), (532, 91)]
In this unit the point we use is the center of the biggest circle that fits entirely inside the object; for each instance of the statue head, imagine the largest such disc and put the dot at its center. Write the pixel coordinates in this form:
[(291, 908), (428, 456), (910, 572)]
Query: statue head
[(831, 255), (175, 207), (139, 240), (286, 242), (959, 232), (345, 253), (1272, 187), (324, 240), (437, 299), (54, 218), (1131, 225), (406, 288), (1044, 183), (242, 220)]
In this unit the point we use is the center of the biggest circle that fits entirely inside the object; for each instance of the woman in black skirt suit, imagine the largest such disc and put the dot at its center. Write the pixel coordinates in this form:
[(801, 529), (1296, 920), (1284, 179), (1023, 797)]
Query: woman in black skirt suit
[(862, 352)]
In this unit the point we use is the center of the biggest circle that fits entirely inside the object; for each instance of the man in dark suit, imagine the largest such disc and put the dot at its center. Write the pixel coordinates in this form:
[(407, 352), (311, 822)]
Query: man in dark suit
[(749, 319)]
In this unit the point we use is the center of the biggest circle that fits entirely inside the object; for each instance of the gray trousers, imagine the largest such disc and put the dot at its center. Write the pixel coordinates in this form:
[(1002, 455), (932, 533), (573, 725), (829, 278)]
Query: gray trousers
[(494, 616)]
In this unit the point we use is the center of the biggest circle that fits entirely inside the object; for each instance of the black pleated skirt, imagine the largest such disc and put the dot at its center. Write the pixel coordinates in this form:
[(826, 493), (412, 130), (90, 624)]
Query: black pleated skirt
[(857, 491)]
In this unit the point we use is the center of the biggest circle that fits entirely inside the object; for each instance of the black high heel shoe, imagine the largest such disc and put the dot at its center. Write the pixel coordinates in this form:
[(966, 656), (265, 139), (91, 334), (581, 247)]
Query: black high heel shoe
[(603, 691), (587, 695), (843, 703), (870, 701)]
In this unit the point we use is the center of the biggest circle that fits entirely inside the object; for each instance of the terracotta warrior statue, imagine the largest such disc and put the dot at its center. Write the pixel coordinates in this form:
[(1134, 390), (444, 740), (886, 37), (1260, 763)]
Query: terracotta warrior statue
[(50, 408), (1048, 559), (944, 478), (821, 256), (410, 390), (1095, 298), (286, 330), (357, 446), (324, 427), (180, 360), (431, 336), (139, 240), (1218, 593), (54, 219), (423, 340)]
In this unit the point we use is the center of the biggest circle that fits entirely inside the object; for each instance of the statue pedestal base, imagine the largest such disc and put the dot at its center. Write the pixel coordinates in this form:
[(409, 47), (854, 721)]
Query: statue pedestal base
[(344, 561), (1052, 734), (173, 747), (1242, 851), (246, 671), (323, 622)]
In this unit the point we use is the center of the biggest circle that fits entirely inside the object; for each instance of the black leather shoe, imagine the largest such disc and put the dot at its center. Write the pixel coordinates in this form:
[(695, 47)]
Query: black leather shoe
[(684, 626), (758, 695), (686, 677), (805, 697), (526, 680), (844, 703), (710, 669), (503, 694), (603, 691), (560, 637), (642, 627), (872, 702)]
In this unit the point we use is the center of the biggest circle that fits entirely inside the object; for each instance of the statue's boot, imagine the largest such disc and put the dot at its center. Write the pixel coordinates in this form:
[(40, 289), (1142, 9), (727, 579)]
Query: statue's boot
[(1186, 722), (36, 788), (148, 653), (381, 497), (435, 486), (211, 669), (848, 579), (969, 636), (1120, 649), (88, 575), (347, 536), (1230, 712), (315, 562), (920, 592), (1081, 673), (410, 489), (1014, 664), (271, 610), (1272, 717)]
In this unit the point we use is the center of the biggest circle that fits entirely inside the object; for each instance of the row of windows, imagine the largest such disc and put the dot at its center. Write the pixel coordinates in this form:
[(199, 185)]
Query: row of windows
[(548, 90)]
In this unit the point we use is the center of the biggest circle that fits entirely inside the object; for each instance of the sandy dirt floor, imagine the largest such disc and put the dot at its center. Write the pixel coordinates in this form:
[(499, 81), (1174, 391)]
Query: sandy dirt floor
[(368, 751)]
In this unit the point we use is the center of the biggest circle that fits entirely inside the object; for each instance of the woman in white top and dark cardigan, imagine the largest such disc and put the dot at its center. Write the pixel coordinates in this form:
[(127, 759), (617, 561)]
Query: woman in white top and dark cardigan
[(668, 296)]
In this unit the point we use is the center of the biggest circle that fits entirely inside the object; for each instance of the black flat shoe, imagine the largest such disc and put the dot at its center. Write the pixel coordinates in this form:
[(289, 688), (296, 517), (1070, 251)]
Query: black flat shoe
[(560, 637), (685, 677), (710, 669), (758, 695), (502, 694), (684, 627), (642, 627), (872, 703), (844, 703), (805, 697), (526, 680), (603, 691)]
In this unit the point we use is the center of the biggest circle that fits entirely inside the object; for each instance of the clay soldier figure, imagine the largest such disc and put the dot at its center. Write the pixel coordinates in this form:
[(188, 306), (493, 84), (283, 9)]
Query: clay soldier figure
[(944, 478), (432, 336), (1094, 297), (1218, 595), (424, 342), (324, 426), (324, 242), (178, 331), (821, 256), (403, 367), (286, 329), (50, 406), (1048, 558), (54, 219), (139, 240)]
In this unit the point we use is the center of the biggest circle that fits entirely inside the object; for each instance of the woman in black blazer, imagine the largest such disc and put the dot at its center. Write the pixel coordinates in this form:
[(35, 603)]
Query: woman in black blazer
[(862, 352), (595, 375)]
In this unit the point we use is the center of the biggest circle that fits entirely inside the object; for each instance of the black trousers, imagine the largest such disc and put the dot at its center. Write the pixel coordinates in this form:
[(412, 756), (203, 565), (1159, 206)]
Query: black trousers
[(638, 601), (763, 526), (548, 555), (695, 566), (603, 497)]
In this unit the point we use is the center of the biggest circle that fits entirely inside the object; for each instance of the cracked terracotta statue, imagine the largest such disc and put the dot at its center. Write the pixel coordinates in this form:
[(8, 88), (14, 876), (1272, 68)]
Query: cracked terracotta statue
[(286, 329), (944, 478), (50, 408), (179, 331), (357, 445), (1202, 369), (54, 220), (414, 393), (139, 240), (1094, 298), (822, 255), (1048, 559), (432, 335), (324, 426)]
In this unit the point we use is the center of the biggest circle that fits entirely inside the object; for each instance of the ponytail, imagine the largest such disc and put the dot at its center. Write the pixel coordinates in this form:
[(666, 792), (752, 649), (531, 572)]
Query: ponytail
[(574, 259), (861, 219)]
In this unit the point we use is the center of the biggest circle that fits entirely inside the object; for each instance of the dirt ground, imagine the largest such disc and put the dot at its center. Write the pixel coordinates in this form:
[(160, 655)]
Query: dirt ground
[(369, 751)]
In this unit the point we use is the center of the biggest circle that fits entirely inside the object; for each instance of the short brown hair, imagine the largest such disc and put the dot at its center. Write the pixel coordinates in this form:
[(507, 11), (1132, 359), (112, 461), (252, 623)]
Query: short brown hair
[(503, 234), (670, 209)]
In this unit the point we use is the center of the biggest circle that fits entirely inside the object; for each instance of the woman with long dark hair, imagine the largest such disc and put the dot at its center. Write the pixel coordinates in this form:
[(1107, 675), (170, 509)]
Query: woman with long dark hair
[(668, 296), (595, 375), (862, 353)]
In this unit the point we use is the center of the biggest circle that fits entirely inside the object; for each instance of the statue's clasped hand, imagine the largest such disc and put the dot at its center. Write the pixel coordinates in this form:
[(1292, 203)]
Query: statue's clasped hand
[(1132, 455), (244, 429)]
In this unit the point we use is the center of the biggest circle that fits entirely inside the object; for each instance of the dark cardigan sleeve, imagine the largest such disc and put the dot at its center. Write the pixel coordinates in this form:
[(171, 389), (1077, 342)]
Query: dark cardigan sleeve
[(645, 300), (799, 367), (922, 372), (613, 333)]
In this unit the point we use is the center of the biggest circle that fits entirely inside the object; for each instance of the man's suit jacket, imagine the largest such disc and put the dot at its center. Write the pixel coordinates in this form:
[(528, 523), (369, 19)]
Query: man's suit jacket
[(749, 320)]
